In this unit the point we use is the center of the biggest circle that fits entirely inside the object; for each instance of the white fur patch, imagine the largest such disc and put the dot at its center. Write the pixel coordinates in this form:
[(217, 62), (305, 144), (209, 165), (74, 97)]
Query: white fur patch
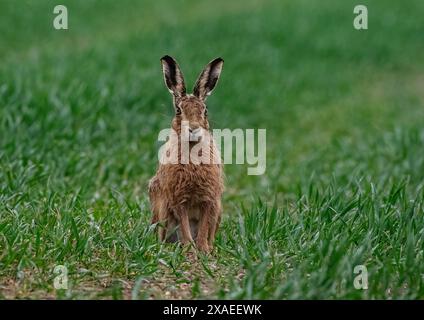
[(196, 134)]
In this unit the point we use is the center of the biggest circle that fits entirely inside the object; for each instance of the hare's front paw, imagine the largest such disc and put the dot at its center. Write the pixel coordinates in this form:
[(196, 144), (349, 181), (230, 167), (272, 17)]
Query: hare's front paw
[(203, 247)]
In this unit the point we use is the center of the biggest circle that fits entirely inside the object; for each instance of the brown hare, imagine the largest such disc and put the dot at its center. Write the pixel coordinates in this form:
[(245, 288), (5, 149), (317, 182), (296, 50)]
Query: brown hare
[(185, 197)]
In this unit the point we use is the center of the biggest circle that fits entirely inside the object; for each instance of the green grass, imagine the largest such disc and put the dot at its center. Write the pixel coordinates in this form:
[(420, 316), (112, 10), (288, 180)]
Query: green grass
[(80, 111)]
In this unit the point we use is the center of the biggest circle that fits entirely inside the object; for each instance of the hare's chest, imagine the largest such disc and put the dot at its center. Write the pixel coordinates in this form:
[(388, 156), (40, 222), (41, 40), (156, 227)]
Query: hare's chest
[(198, 180), (195, 182)]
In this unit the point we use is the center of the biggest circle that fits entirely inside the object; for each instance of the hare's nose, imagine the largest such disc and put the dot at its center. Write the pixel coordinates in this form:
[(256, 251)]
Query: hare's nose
[(194, 131)]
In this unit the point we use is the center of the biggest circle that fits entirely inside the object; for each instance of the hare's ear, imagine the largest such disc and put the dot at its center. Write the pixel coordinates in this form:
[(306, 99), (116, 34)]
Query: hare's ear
[(208, 79), (173, 76)]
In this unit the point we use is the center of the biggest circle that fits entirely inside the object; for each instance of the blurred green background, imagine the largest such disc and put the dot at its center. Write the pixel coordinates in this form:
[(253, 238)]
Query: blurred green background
[(80, 110)]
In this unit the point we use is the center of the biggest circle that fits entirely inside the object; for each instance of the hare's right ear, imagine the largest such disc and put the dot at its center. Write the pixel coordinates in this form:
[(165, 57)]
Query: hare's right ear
[(208, 79), (173, 76)]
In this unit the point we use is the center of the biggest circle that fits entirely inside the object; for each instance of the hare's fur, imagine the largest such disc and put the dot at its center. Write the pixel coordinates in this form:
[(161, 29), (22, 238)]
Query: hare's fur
[(186, 198)]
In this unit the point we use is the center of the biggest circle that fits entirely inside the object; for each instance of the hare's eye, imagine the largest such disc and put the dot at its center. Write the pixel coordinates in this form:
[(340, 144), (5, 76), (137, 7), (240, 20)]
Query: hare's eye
[(206, 112), (177, 111)]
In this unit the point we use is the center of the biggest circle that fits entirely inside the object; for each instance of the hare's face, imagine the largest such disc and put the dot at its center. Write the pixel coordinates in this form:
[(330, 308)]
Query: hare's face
[(190, 109), (192, 112)]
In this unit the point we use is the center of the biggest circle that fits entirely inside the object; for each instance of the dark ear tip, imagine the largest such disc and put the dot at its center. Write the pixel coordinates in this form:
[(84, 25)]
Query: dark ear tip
[(167, 58)]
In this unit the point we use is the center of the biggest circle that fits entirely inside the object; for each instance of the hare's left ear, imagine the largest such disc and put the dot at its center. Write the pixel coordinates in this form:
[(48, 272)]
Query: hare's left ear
[(173, 76), (208, 79)]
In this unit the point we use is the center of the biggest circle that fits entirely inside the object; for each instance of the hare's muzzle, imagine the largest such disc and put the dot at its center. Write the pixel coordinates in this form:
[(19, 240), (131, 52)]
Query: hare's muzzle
[(195, 134)]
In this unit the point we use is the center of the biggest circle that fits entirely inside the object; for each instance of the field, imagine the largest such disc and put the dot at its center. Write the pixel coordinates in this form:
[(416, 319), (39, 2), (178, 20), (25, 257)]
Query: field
[(80, 111)]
